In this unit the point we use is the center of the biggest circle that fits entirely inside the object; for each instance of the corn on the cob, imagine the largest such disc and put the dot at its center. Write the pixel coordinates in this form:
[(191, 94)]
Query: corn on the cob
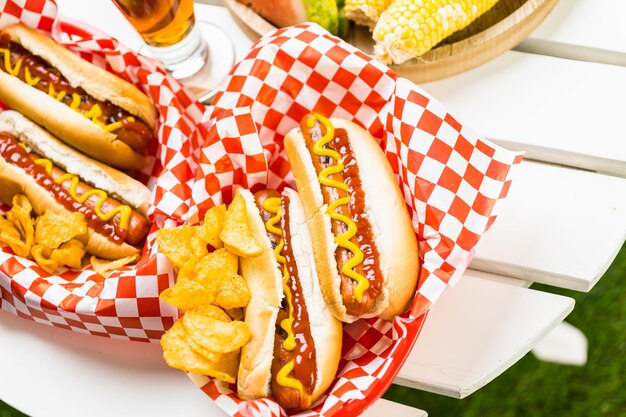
[(322, 12), (365, 12), (410, 28)]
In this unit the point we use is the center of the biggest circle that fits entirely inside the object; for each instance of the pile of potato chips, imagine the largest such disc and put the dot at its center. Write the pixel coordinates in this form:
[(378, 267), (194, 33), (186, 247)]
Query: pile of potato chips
[(52, 240), (208, 338), (49, 239)]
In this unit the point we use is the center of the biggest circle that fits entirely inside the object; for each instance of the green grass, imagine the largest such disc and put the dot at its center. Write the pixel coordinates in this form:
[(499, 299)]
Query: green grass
[(7, 411), (537, 389)]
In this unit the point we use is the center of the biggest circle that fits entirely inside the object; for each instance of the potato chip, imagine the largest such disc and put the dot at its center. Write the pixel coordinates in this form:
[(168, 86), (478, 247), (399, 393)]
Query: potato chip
[(19, 215), (231, 293), (202, 351), (217, 272), (218, 264), (69, 253), (7, 228), (187, 294), (10, 235), (212, 312), (104, 267), (178, 354), (228, 366), (213, 223), (213, 334), (41, 254), (235, 313), (228, 362), (236, 233), (177, 246), (52, 229), (188, 270), (20, 200), (198, 246)]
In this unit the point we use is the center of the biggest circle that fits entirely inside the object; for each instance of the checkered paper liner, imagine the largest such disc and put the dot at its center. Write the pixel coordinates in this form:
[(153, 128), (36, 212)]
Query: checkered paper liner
[(452, 180), (126, 305)]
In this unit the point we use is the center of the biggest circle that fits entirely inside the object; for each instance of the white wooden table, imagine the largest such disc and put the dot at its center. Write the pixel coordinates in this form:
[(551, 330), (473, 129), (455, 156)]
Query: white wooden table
[(563, 224)]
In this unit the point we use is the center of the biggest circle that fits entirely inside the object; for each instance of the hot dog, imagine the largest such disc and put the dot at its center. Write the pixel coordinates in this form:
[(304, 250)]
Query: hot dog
[(84, 105), (295, 342), (365, 248), (56, 177)]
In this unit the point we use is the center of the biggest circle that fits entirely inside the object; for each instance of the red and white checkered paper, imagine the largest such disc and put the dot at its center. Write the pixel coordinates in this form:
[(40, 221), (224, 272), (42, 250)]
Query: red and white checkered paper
[(126, 305), (452, 180)]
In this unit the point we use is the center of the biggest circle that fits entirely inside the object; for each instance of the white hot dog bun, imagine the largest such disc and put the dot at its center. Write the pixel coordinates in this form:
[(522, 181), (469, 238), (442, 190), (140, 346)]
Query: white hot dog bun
[(264, 277), (117, 185), (383, 213), (59, 118)]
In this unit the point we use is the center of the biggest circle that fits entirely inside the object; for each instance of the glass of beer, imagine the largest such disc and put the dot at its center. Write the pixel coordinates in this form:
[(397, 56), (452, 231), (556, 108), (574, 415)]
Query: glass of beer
[(197, 53)]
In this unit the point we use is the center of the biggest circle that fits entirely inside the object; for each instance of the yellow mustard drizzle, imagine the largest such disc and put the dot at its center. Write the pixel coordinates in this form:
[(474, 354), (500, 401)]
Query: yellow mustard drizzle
[(343, 240), (29, 79), (7, 62), (272, 205), (94, 113), (123, 210), (57, 96)]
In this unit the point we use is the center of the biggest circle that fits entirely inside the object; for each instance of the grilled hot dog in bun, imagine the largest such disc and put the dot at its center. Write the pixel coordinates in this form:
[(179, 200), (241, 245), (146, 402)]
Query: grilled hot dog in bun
[(365, 248), (87, 107), (58, 178), (295, 343)]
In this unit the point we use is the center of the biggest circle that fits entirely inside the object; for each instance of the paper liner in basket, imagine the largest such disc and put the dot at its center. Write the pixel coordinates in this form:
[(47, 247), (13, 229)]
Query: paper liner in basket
[(126, 305), (452, 180)]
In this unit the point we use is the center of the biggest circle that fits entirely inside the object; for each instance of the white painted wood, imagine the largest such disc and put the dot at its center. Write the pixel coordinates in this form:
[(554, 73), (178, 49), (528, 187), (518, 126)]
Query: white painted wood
[(383, 407), (477, 345), (565, 345), (477, 330), (582, 29), (100, 377), (516, 282), (557, 110), (560, 226)]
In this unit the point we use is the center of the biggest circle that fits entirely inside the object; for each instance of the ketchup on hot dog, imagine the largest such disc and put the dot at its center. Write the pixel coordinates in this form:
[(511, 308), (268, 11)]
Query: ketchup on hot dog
[(294, 366), (127, 225), (340, 180)]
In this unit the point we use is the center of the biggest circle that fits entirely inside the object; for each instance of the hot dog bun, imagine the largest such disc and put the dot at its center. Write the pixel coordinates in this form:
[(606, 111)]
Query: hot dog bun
[(263, 276), (387, 214), (60, 119), (14, 180)]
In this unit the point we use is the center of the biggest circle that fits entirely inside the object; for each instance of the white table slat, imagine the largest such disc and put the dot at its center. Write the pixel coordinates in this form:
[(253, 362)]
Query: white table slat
[(515, 282), (557, 110), (98, 376), (384, 407), (498, 340), (560, 226), (463, 347), (583, 30), (93, 362)]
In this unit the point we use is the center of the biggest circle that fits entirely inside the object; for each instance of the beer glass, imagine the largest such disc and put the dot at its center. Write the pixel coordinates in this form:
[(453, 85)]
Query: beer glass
[(197, 53)]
